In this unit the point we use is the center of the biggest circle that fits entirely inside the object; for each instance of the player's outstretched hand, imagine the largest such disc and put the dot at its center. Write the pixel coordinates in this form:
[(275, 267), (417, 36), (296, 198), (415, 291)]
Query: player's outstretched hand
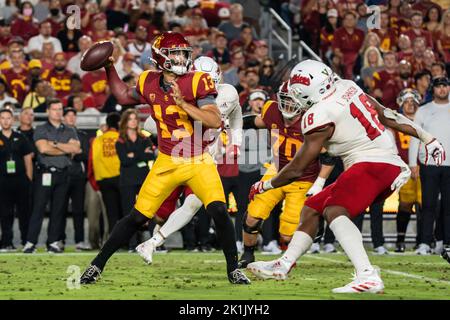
[(256, 188), (435, 150)]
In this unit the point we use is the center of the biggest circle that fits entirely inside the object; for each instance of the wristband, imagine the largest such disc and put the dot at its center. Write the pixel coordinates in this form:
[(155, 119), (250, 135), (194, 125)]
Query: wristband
[(267, 185)]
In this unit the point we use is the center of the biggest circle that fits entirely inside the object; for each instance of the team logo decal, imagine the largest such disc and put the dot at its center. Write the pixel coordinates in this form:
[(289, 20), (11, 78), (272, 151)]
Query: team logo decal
[(274, 126), (166, 98), (157, 42), (300, 79)]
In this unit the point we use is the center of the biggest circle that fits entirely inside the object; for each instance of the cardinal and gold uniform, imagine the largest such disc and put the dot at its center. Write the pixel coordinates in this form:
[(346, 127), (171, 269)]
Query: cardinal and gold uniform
[(411, 192), (183, 158), (285, 141)]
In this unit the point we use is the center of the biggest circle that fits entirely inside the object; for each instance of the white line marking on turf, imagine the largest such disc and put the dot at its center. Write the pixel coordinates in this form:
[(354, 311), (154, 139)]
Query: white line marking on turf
[(398, 273)]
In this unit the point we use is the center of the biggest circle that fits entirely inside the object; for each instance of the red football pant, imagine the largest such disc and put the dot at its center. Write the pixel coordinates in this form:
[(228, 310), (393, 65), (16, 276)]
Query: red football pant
[(357, 188)]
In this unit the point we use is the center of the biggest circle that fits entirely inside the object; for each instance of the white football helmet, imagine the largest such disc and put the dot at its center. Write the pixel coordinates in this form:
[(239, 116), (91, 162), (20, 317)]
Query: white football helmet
[(310, 82), (208, 65), (287, 106)]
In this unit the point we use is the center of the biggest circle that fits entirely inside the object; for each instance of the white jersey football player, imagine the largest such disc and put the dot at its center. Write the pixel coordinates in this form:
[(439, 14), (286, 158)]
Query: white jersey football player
[(342, 118), (228, 102)]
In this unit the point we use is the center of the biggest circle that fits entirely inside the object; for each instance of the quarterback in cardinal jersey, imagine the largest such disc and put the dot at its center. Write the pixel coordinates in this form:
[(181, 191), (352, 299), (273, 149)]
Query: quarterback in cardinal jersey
[(342, 118), (228, 102), (183, 106)]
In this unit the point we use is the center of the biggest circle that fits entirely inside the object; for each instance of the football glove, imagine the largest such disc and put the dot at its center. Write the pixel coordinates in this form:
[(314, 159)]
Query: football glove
[(435, 150), (402, 178), (258, 188), (316, 187)]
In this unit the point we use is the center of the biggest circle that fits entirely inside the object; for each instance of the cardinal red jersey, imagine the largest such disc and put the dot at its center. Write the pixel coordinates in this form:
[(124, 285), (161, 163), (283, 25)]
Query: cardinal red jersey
[(387, 83), (402, 141), (176, 134), (212, 10), (95, 84), (286, 141), (388, 40), (60, 82), (17, 83), (422, 34)]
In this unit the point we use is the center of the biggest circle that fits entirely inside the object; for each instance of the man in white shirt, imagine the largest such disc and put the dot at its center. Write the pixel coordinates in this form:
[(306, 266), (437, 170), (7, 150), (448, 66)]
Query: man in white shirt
[(73, 65), (35, 43)]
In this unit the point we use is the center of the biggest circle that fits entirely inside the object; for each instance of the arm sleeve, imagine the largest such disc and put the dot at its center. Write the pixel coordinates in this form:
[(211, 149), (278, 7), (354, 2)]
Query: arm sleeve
[(414, 143), (150, 126), (125, 161)]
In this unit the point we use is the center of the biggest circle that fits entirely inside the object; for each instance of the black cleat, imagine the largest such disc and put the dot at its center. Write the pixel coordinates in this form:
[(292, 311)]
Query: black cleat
[(245, 259), (446, 253), (400, 247), (238, 277), (91, 275)]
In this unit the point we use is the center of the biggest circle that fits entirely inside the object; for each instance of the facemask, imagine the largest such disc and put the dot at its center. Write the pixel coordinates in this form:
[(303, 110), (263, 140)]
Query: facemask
[(27, 12)]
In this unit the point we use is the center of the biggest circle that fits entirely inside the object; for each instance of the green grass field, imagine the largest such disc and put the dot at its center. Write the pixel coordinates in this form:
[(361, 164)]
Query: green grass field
[(197, 276)]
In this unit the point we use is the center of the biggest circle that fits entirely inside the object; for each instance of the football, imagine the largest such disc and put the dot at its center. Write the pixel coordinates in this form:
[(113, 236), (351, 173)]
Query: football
[(96, 56)]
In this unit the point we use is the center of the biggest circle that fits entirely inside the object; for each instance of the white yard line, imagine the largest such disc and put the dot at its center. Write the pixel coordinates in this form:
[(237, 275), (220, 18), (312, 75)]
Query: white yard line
[(394, 272)]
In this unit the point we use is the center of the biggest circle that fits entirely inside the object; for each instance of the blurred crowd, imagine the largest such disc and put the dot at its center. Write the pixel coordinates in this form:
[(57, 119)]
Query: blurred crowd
[(406, 46)]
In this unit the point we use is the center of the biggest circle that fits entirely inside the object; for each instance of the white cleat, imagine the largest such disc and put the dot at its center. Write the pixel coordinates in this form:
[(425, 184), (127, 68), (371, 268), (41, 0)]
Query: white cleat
[(275, 269), (368, 281), (315, 248), (381, 250), (271, 248), (329, 248), (145, 250), (423, 249)]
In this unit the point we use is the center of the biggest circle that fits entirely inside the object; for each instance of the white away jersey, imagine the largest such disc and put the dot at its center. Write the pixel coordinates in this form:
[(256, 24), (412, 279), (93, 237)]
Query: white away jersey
[(358, 135)]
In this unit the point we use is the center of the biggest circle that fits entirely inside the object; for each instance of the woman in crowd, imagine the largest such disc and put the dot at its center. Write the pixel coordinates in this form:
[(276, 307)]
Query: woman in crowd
[(372, 61), (134, 151)]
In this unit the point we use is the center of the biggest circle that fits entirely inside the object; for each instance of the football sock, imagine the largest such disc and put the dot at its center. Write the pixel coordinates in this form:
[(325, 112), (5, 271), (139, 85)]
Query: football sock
[(225, 233), (300, 243), (403, 218), (351, 241), (180, 217), (120, 235)]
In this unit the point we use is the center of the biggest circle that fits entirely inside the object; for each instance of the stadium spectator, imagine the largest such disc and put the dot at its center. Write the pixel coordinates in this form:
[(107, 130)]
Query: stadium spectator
[(159, 24), (34, 71), (5, 35), (220, 52), (100, 31), (73, 65), (416, 30), (77, 178), (261, 51), (314, 22), (195, 31), (38, 95), (94, 83), (245, 42), (434, 117), (432, 20), (230, 76), (385, 85), (69, 39), (9, 11), (56, 16), (139, 44), (405, 76), (347, 42), (403, 21), (428, 59), (13, 44), (387, 35), (116, 14), (422, 82), (46, 57), (25, 25), (41, 10), (443, 37), (16, 174), (266, 72), (252, 83), (438, 70), (372, 62), (106, 168), (327, 33), (134, 151), (45, 35), (404, 47), (126, 65), (424, 6), (363, 16), (59, 77), (16, 76), (4, 96), (345, 6), (55, 143), (232, 28)]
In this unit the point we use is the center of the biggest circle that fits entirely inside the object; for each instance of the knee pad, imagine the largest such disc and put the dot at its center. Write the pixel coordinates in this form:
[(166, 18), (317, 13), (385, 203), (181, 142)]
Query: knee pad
[(251, 229), (137, 217)]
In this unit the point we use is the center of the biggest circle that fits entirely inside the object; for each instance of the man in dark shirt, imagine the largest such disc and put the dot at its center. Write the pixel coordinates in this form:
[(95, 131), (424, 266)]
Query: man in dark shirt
[(55, 143), (16, 172), (77, 180)]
